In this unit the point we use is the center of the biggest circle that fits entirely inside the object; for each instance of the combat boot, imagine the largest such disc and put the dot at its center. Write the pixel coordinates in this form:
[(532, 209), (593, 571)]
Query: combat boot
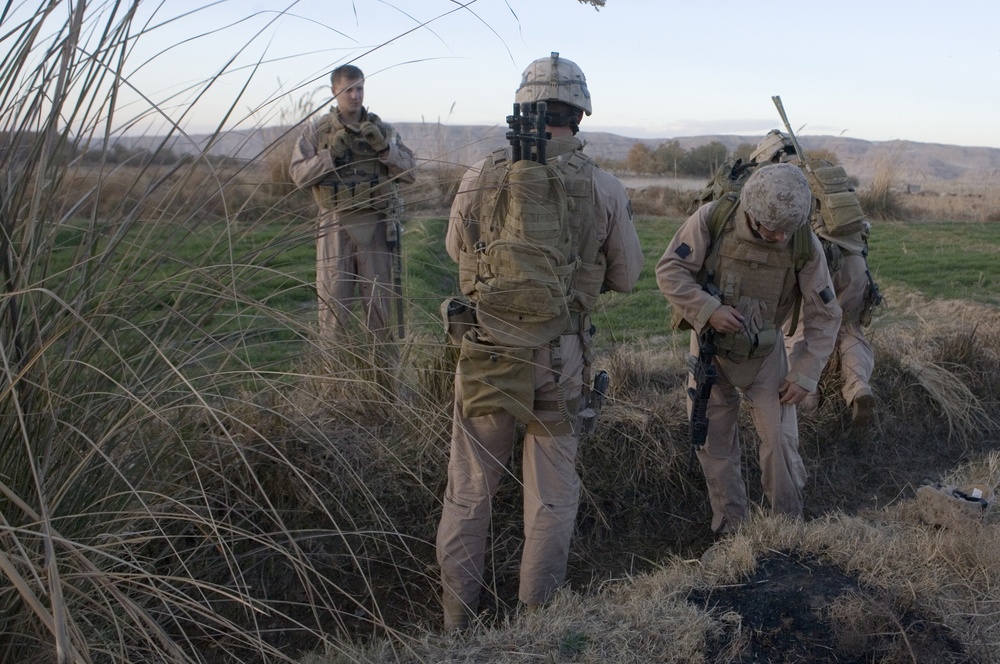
[(862, 409)]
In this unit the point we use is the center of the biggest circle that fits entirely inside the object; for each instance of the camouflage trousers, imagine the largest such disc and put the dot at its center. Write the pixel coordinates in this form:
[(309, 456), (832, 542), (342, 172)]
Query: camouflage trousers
[(783, 474), (481, 448), (353, 277), (853, 351)]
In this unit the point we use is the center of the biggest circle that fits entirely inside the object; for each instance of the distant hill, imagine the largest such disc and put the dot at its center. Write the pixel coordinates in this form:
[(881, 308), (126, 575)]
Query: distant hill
[(915, 163)]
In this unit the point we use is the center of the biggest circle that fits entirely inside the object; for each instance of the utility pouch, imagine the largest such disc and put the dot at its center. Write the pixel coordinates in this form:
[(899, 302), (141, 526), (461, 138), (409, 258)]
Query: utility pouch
[(325, 196), (459, 316), (842, 213), (739, 346), (495, 378)]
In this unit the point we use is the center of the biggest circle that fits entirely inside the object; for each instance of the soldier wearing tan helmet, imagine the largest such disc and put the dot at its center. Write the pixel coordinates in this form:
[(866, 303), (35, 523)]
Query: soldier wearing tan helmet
[(353, 162), (753, 263), (847, 260), (607, 256), (846, 251)]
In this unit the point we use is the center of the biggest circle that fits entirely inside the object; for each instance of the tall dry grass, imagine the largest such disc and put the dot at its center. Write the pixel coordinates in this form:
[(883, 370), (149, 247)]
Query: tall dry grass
[(165, 497)]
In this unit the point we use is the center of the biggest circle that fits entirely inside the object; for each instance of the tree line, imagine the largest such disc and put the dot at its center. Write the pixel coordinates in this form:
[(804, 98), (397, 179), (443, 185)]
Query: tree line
[(669, 158)]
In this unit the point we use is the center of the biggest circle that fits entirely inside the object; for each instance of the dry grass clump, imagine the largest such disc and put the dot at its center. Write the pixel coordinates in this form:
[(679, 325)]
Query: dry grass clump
[(882, 200), (951, 350), (961, 200), (918, 591), (662, 201)]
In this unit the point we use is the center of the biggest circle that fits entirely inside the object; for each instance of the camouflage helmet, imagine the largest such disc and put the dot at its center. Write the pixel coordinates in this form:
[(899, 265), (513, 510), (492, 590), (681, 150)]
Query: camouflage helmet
[(554, 79), (777, 196), (771, 146)]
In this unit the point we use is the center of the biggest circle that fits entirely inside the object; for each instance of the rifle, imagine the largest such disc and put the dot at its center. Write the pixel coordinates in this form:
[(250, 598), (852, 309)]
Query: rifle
[(527, 135), (394, 239), (595, 401), (705, 374)]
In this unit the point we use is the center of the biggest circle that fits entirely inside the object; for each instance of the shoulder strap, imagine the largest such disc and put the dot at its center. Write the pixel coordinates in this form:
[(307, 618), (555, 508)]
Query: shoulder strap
[(802, 246), (802, 250), (722, 212)]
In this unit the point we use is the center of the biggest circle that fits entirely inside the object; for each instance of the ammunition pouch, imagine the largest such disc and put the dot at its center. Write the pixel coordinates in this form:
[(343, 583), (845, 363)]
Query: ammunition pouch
[(740, 346), (840, 210), (495, 378), (951, 506), (347, 196)]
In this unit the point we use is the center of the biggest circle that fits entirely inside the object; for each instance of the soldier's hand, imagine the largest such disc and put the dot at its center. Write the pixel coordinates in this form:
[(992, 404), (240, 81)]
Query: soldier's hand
[(340, 145), (726, 319), (792, 393), (374, 136)]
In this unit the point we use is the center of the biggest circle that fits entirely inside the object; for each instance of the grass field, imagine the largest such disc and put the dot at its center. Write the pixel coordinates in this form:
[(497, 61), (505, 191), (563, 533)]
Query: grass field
[(272, 267), (948, 260)]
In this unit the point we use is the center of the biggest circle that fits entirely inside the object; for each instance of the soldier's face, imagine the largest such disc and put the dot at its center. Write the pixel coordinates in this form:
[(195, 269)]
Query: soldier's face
[(349, 95), (765, 233)]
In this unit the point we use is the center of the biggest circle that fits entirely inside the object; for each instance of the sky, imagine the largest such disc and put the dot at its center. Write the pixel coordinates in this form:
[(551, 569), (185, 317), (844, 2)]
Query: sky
[(878, 70)]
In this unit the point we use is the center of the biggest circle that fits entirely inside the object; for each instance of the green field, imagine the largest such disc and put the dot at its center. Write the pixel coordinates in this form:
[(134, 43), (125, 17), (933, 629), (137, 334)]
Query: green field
[(256, 278), (947, 260)]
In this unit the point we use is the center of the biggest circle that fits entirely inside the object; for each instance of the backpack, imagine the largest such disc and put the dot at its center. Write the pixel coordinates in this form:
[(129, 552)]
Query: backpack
[(729, 177), (526, 256), (722, 213), (839, 209)]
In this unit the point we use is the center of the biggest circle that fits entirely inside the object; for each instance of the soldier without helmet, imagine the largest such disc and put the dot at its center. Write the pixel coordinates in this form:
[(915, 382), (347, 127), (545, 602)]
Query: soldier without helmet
[(352, 162)]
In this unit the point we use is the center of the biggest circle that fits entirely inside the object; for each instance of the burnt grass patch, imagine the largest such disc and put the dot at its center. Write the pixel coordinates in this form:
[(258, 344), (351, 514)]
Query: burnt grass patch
[(784, 611)]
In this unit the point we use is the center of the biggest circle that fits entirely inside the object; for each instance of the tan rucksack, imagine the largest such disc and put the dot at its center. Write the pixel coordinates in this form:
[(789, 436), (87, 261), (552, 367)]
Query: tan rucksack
[(526, 256)]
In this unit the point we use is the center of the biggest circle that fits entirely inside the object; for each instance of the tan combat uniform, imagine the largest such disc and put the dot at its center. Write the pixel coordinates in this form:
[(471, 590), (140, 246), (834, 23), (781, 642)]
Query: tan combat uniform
[(481, 446), (353, 259), (763, 284), (849, 271)]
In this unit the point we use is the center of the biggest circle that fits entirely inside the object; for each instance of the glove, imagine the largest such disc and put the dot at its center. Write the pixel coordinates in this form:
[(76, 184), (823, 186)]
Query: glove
[(340, 145), (374, 136), (753, 311)]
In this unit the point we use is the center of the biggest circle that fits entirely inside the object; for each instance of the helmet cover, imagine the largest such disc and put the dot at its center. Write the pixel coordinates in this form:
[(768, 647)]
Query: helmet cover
[(554, 79), (771, 146), (777, 196)]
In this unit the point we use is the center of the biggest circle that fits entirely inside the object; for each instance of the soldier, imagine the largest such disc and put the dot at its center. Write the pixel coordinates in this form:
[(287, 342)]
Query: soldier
[(847, 260), (352, 161), (750, 254), (846, 252), (610, 258)]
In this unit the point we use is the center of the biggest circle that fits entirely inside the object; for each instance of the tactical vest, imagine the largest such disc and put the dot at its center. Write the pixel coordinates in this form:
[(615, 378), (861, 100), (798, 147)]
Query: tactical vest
[(515, 307), (359, 181), (757, 271)]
